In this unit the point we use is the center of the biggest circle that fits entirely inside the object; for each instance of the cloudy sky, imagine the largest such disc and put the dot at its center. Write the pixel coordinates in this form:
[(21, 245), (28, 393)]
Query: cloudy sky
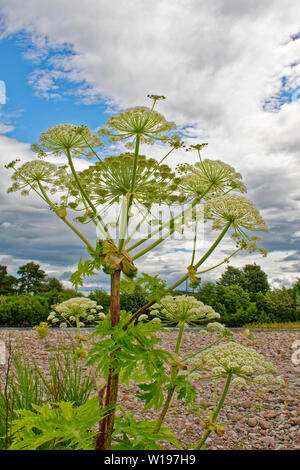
[(230, 70)]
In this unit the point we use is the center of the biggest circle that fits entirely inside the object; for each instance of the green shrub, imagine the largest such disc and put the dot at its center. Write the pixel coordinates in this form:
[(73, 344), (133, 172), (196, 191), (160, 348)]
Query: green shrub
[(245, 315), (279, 305), (23, 310), (132, 302), (29, 310)]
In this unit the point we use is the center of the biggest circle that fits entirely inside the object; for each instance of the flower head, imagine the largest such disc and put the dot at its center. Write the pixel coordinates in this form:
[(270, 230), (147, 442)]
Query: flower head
[(77, 309), (62, 138), (210, 176), (183, 310), (236, 210), (238, 360), (140, 121), (30, 174), (106, 182), (42, 329), (156, 97)]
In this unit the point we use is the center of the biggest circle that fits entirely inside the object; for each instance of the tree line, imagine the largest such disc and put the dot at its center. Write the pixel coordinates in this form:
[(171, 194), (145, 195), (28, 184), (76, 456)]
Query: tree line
[(244, 296), (241, 296)]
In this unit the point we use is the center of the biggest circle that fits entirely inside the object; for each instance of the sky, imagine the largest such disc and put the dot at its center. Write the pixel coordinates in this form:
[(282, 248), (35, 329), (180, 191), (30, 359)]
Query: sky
[(230, 70)]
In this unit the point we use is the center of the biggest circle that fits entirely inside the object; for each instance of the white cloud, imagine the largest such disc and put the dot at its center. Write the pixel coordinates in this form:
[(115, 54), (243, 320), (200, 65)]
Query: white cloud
[(217, 63), (5, 128)]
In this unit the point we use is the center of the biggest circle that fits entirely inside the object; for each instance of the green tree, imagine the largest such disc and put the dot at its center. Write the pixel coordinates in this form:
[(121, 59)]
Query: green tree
[(233, 298), (134, 301), (279, 305), (102, 298), (31, 278), (256, 280), (232, 276), (8, 284), (53, 284), (296, 295), (23, 310)]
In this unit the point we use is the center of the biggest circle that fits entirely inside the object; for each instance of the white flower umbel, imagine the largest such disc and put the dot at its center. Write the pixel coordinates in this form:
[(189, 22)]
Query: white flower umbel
[(140, 120), (237, 210), (238, 364), (209, 176), (65, 137), (237, 360), (76, 311), (183, 310)]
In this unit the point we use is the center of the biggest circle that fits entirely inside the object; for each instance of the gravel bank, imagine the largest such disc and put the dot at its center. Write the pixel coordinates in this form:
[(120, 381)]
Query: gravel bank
[(275, 426)]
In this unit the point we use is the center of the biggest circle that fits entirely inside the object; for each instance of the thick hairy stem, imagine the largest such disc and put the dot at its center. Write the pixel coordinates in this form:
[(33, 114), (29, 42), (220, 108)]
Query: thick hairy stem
[(103, 441)]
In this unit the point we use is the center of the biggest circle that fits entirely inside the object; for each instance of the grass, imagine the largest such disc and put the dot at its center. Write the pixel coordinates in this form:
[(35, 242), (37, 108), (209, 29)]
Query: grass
[(24, 385), (276, 325)]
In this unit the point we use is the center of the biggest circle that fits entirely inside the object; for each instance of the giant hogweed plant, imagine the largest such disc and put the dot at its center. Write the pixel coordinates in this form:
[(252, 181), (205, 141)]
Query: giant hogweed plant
[(125, 346)]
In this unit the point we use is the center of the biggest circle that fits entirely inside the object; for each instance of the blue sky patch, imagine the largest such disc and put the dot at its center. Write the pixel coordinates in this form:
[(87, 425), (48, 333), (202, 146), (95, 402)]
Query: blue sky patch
[(30, 114)]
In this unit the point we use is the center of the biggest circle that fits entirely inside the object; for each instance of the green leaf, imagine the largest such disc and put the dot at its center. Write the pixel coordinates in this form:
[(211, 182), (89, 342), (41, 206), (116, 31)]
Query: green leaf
[(154, 286), (140, 435), (57, 426)]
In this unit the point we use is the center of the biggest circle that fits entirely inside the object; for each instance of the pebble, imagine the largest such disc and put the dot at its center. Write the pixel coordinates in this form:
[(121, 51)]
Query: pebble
[(246, 404), (264, 424), (269, 414), (270, 441), (252, 422), (296, 421)]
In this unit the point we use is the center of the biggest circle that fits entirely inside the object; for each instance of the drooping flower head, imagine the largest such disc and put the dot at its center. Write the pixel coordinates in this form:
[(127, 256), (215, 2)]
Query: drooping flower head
[(237, 210), (140, 121), (240, 361), (30, 174), (65, 138), (183, 310)]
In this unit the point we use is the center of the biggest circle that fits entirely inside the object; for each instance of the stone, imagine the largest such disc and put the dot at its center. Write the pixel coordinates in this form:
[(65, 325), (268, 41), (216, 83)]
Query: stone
[(264, 424), (252, 422), (269, 414), (270, 441), (296, 421), (245, 404)]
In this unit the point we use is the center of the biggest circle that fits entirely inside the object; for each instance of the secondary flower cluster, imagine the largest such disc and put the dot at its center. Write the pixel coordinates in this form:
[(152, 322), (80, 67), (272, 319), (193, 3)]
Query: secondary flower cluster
[(209, 176), (76, 312), (42, 329), (31, 174), (140, 121), (236, 210), (244, 363), (65, 137), (183, 310)]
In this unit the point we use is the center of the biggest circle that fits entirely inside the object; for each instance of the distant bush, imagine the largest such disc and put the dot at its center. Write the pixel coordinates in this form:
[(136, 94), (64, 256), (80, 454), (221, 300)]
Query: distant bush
[(29, 310), (238, 307), (23, 310), (242, 316), (279, 305)]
